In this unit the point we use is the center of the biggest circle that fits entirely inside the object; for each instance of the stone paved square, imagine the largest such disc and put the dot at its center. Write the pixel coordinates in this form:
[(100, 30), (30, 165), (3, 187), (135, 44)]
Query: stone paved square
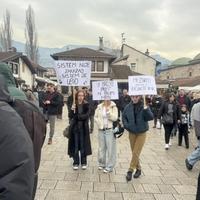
[(164, 176)]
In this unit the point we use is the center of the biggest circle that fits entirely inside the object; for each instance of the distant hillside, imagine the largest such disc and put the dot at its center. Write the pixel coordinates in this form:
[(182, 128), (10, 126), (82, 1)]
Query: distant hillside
[(45, 59)]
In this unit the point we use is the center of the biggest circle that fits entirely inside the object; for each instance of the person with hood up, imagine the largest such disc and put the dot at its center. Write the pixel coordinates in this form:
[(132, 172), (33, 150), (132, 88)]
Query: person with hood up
[(16, 151)]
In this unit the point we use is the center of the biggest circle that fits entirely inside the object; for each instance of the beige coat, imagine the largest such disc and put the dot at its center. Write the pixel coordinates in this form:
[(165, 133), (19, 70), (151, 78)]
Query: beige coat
[(113, 115)]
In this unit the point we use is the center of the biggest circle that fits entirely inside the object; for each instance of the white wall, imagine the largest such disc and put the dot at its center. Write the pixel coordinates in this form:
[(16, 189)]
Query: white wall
[(26, 75), (144, 64)]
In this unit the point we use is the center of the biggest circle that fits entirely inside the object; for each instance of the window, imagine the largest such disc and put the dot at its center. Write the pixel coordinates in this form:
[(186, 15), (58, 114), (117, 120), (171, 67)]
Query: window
[(93, 66), (15, 69), (190, 73), (100, 66), (133, 66)]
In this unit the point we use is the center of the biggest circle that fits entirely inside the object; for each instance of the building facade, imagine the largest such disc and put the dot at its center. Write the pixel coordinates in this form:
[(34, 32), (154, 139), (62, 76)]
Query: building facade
[(138, 61)]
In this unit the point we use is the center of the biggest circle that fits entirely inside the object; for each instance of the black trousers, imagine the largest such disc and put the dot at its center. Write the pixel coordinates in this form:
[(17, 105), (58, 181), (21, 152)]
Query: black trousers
[(183, 132), (168, 130), (79, 147)]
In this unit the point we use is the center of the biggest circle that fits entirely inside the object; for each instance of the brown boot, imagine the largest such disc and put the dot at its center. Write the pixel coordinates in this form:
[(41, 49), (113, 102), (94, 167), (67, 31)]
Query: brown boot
[(50, 141)]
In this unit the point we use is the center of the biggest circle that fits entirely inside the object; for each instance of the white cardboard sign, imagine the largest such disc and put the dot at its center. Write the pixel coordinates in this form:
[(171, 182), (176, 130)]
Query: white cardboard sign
[(73, 73), (105, 90), (142, 85)]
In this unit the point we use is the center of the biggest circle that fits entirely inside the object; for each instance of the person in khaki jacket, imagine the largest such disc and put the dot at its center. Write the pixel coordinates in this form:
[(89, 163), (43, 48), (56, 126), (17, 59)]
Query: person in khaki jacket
[(105, 114), (135, 120)]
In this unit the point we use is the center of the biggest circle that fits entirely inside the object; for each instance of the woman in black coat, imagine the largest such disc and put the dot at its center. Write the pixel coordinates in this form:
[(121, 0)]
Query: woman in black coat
[(169, 114), (79, 139)]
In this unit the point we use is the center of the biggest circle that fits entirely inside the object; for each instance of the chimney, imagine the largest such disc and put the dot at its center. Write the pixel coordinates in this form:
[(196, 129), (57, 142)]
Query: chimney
[(147, 52), (101, 48)]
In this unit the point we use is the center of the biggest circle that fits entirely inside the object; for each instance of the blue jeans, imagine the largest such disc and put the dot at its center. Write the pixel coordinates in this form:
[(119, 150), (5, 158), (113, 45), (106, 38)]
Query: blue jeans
[(195, 155), (107, 149)]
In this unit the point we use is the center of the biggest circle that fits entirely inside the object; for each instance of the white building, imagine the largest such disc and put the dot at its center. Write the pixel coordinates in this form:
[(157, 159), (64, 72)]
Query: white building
[(138, 61)]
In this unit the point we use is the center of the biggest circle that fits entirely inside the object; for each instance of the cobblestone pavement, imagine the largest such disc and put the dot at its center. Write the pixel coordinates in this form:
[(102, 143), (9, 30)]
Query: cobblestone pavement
[(164, 176)]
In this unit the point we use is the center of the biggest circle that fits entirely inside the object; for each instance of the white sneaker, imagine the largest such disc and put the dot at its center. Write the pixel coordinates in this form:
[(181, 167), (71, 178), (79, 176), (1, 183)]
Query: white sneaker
[(170, 144), (100, 168), (84, 167), (166, 146), (75, 167), (107, 171)]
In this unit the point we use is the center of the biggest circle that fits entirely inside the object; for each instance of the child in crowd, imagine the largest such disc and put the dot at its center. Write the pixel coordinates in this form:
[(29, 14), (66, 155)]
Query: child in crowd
[(183, 126)]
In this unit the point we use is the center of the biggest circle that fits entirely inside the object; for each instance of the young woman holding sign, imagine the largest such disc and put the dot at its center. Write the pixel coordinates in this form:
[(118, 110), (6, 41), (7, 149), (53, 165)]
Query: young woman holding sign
[(79, 140), (105, 114)]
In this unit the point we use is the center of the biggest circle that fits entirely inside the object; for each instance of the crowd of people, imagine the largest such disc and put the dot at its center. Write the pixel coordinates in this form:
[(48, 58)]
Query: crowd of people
[(177, 113)]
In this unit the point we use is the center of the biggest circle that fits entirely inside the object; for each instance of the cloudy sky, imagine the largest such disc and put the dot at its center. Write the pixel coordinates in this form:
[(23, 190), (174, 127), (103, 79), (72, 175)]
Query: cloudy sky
[(168, 27)]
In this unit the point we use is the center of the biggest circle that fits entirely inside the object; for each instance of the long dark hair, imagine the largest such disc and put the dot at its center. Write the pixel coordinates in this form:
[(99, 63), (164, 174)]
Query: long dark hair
[(76, 96)]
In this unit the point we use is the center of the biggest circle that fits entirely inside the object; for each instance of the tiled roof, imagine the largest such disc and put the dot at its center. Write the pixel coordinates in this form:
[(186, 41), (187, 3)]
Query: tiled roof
[(157, 62), (122, 72), (82, 53), (8, 56)]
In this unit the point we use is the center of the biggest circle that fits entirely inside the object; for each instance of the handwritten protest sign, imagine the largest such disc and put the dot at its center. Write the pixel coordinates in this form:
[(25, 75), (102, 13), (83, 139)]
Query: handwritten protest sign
[(142, 85), (73, 73), (105, 90)]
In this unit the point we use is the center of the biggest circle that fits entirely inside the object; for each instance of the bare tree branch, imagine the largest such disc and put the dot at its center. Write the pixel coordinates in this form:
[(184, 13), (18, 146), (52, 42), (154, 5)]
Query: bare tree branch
[(6, 32), (31, 47)]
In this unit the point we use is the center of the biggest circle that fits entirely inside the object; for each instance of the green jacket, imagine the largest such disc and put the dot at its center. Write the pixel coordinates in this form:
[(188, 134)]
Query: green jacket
[(10, 82)]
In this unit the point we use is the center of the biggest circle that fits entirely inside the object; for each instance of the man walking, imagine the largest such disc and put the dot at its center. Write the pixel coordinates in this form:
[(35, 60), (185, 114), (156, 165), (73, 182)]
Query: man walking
[(51, 103)]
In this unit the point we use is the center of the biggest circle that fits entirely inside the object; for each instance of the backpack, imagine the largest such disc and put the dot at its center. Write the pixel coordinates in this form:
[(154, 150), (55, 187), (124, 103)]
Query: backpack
[(35, 124)]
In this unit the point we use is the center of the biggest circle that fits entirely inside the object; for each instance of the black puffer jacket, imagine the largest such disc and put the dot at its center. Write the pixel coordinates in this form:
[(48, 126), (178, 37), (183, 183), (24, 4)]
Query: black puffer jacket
[(16, 152)]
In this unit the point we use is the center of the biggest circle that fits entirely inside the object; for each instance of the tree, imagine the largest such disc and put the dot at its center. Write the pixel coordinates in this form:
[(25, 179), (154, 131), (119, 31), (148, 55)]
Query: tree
[(6, 33), (31, 36)]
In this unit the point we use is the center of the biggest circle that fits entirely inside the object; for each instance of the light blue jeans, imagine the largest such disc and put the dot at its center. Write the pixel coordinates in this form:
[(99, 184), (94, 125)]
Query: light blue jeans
[(195, 155), (107, 149)]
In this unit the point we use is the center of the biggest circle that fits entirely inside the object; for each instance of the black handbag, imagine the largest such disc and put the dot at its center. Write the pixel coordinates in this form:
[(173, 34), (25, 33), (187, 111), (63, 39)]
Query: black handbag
[(167, 119), (66, 132), (118, 130)]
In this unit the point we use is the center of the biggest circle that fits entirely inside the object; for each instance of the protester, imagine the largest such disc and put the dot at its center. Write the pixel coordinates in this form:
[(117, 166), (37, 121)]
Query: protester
[(105, 114), (124, 100), (16, 152), (170, 114), (155, 107), (50, 104), (135, 119), (79, 139), (183, 126), (184, 99), (195, 155)]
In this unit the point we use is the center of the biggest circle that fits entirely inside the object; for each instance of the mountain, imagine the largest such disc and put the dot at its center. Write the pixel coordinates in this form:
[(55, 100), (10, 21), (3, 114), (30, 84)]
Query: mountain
[(164, 63), (46, 60)]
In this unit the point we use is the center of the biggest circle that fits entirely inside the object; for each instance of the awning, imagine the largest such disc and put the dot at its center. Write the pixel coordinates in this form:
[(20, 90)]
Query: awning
[(45, 80)]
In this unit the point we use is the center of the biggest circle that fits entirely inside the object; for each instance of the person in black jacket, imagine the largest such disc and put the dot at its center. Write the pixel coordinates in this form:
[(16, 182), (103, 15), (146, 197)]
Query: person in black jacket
[(170, 114), (124, 100), (16, 152), (135, 120), (155, 107), (79, 139), (51, 103)]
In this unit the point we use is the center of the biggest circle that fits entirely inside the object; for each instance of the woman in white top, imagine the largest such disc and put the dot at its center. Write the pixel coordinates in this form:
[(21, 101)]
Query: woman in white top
[(105, 114)]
